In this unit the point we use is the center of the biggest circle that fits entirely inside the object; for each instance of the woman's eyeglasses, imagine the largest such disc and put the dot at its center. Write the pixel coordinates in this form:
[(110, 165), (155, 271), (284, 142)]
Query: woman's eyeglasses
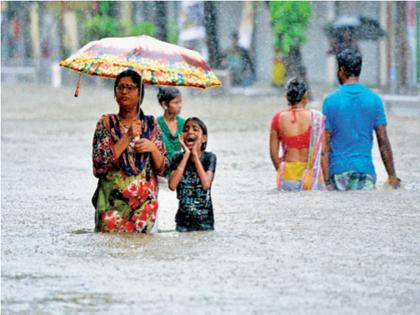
[(126, 87)]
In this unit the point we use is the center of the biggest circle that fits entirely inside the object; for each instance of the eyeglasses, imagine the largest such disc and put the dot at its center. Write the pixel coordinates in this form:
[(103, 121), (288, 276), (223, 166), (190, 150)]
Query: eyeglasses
[(126, 87)]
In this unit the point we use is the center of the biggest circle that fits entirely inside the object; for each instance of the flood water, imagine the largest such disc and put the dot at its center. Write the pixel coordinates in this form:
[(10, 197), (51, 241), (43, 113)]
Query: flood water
[(271, 253)]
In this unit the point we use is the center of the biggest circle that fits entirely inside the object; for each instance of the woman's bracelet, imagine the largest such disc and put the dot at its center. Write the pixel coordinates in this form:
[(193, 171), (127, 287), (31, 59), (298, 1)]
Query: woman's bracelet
[(327, 181)]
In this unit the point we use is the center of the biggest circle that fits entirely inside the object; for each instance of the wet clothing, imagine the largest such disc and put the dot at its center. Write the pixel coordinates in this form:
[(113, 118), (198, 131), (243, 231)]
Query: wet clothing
[(126, 196), (291, 174), (352, 114), (298, 176), (195, 210), (172, 144), (353, 181), (300, 141)]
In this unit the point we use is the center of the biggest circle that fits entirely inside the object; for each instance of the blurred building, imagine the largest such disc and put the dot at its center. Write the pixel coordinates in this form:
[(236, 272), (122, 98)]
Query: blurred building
[(36, 35), (391, 62)]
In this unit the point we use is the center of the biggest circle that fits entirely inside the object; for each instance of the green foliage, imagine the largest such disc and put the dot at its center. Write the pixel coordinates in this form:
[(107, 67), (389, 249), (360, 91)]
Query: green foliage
[(142, 28), (173, 32), (289, 22), (104, 7), (105, 25), (101, 26)]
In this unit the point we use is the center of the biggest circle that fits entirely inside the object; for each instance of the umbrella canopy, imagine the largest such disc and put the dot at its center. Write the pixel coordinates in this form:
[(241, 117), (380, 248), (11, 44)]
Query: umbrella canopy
[(360, 27), (156, 61)]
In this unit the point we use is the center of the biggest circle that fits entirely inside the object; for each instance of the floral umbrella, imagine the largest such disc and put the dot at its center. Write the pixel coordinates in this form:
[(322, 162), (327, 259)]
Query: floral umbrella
[(156, 61)]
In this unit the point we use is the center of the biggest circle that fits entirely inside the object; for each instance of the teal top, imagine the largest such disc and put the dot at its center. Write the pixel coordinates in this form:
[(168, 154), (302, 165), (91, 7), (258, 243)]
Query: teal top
[(353, 112), (172, 144)]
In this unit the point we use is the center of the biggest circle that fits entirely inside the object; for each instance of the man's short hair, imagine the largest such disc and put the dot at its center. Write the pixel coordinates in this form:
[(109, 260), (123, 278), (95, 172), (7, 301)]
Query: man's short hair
[(350, 60)]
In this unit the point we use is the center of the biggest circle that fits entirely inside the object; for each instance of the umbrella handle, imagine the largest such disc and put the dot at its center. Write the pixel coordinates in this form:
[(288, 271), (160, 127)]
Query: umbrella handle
[(76, 92)]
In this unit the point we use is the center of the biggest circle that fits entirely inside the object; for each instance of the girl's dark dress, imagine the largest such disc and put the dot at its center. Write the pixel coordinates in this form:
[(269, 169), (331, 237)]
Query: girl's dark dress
[(195, 211)]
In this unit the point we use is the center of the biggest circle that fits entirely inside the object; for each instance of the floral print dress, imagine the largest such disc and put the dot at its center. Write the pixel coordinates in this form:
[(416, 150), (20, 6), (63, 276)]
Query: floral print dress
[(126, 197)]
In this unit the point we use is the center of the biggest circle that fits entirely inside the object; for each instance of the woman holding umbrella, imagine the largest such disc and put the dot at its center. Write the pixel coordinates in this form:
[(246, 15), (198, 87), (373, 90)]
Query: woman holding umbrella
[(128, 154)]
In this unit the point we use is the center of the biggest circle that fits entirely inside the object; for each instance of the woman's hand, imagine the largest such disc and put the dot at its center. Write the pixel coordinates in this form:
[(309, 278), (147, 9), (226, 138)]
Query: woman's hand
[(135, 129), (183, 145), (145, 145)]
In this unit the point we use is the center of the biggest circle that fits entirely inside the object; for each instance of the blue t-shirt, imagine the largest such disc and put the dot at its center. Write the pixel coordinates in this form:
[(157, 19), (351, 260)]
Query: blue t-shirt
[(352, 113)]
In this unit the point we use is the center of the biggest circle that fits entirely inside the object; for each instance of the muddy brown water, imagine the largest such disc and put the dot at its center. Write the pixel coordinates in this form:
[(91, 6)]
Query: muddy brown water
[(271, 253)]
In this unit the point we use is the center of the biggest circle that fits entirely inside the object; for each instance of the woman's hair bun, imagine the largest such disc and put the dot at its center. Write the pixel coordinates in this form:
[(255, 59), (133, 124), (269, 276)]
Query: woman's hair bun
[(296, 89)]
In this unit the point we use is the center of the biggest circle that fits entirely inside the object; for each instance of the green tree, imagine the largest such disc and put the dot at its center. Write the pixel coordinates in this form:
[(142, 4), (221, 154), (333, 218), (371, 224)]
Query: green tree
[(105, 24), (141, 28), (173, 32), (290, 20), (102, 24)]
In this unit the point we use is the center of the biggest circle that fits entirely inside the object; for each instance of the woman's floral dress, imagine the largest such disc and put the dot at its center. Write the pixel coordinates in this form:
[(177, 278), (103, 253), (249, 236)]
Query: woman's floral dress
[(126, 197)]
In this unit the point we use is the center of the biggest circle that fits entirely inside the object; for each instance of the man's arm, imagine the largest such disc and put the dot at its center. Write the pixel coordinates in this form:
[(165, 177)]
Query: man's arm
[(386, 155)]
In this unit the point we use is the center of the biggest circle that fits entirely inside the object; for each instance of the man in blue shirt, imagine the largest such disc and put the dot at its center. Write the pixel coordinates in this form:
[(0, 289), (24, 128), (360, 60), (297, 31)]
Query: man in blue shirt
[(352, 113)]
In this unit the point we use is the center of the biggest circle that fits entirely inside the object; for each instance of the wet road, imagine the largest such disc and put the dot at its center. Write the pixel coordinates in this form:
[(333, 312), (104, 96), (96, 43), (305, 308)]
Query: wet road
[(271, 253)]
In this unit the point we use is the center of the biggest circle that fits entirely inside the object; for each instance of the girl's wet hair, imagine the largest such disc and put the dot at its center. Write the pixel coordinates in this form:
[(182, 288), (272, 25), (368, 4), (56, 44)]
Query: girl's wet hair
[(202, 126), (136, 80), (296, 89), (167, 94)]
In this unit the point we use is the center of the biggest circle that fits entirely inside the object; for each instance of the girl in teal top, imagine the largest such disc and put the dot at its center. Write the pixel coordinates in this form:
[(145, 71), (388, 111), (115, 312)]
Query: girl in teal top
[(170, 123)]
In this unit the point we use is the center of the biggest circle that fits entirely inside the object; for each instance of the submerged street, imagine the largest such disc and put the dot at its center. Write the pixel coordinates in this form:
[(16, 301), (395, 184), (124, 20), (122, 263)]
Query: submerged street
[(308, 252)]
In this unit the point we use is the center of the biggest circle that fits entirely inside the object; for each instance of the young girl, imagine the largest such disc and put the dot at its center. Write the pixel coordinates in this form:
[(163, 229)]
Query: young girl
[(170, 123), (192, 173)]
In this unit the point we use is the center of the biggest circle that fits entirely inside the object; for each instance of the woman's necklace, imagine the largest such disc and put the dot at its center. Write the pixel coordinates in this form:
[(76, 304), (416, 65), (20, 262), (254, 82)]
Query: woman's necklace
[(126, 123), (297, 109), (294, 110)]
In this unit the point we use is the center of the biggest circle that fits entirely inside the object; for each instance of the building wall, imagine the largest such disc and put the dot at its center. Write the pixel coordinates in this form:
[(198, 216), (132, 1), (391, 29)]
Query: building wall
[(264, 48), (376, 71), (369, 49), (320, 66), (314, 50), (229, 15), (229, 19), (418, 43)]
